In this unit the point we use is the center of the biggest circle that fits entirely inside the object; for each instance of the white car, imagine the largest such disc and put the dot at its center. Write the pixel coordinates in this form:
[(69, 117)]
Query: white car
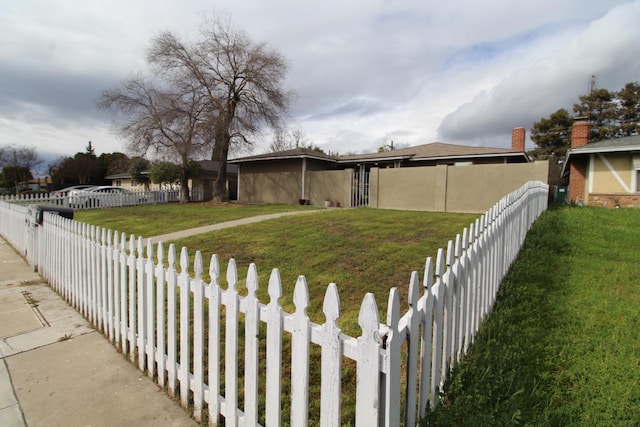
[(105, 195), (59, 196)]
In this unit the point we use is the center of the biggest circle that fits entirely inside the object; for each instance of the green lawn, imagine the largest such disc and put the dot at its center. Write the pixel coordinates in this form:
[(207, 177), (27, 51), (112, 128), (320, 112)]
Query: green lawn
[(361, 250), (153, 220), (562, 346)]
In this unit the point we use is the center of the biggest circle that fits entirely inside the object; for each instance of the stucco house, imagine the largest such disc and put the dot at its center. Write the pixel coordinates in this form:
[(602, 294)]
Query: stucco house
[(604, 173), (201, 187), (303, 175)]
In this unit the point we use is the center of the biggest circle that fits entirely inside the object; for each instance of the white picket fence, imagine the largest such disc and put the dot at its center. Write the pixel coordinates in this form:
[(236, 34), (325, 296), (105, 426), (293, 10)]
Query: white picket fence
[(161, 312), (103, 200)]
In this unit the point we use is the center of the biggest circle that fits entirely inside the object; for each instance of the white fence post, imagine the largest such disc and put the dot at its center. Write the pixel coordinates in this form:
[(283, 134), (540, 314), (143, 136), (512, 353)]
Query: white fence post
[(274, 350), (198, 338), (150, 310), (184, 283), (172, 327), (331, 390), (300, 355), (231, 346), (367, 373), (390, 409), (251, 347), (426, 306), (214, 300)]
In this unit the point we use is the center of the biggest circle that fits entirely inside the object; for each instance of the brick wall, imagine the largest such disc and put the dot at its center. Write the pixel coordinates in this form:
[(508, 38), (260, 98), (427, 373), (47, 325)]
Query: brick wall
[(579, 133), (517, 139), (577, 177), (613, 200)]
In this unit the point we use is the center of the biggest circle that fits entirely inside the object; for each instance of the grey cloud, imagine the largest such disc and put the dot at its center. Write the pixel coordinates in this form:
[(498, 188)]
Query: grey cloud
[(358, 106), (535, 92), (62, 95)]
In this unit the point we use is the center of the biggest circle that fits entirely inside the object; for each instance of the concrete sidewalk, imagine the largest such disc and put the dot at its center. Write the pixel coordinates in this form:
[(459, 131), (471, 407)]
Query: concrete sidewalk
[(56, 370)]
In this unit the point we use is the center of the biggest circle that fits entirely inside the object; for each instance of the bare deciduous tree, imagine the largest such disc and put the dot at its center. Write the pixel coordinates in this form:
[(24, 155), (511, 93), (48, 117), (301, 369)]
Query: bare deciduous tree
[(170, 116), (241, 80), (289, 139), (21, 160)]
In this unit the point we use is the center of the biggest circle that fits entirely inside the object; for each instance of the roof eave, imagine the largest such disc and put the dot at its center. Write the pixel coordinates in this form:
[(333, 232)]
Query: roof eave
[(298, 156), (470, 156), (373, 159), (589, 150)]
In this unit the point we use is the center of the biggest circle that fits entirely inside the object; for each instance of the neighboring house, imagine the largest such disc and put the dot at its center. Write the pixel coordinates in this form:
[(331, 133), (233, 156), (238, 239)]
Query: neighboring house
[(39, 184), (207, 178), (604, 173), (203, 185), (125, 180), (307, 176)]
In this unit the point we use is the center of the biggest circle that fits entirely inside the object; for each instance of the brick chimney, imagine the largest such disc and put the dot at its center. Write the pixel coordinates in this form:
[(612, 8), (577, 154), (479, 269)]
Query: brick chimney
[(578, 167), (517, 139), (579, 133)]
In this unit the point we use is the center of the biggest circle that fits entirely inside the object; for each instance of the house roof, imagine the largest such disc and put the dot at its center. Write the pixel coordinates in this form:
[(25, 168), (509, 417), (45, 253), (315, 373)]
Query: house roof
[(433, 151), (626, 144), (123, 175), (212, 166), (296, 153)]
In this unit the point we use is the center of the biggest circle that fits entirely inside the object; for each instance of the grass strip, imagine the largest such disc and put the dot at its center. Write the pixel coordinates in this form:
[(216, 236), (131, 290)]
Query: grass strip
[(562, 346)]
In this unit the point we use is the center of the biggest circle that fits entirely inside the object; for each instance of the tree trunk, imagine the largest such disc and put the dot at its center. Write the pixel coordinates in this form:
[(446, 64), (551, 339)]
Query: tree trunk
[(220, 153), (184, 183)]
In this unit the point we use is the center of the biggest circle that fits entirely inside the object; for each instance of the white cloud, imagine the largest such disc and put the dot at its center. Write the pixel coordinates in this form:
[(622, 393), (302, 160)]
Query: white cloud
[(607, 48)]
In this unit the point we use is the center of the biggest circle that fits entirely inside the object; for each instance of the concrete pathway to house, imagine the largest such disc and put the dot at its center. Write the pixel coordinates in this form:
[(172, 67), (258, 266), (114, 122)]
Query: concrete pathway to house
[(243, 221)]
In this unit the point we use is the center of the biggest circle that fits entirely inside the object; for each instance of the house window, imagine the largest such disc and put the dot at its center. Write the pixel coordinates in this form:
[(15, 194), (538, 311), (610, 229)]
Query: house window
[(118, 183), (637, 180)]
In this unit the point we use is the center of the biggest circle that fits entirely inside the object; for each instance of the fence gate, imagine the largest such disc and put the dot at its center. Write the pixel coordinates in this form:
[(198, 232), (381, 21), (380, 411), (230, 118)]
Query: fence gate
[(360, 187)]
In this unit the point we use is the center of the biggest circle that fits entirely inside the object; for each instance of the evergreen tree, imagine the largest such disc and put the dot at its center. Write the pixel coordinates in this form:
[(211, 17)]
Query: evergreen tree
[(552, 136), (599, 107), (628, 99)]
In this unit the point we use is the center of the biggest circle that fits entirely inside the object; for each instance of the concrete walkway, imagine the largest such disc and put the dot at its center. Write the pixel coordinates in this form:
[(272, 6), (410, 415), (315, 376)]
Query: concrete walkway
[(56, 370), (243, 221)]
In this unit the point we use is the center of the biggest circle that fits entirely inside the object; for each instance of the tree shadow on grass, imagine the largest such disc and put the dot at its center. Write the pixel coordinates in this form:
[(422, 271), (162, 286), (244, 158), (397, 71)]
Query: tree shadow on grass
[(508, 375)]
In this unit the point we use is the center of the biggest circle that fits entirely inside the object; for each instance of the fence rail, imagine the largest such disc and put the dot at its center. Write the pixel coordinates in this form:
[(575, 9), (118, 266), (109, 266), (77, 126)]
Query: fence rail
[(103, 200), (166, 317)]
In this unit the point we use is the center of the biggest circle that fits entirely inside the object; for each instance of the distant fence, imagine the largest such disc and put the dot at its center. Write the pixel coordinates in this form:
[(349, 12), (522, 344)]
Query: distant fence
[(103, 200), (167, 317)]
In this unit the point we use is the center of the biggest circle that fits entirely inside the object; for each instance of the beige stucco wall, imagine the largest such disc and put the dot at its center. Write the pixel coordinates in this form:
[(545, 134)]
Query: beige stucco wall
[(473, 188), (269, 187), (604, 181), (329, 185), (420, 188), (477, 188), (280, 181)]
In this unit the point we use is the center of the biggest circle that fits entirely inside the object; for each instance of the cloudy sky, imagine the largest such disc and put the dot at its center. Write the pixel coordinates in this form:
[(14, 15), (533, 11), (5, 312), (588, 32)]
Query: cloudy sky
[(364, 72)]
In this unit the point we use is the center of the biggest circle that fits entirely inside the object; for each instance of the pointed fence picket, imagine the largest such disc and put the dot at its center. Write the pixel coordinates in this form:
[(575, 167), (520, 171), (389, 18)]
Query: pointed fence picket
[(172, 322)]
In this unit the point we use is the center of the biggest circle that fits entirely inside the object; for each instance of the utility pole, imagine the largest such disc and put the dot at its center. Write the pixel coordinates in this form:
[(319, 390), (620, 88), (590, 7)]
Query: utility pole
[(592, 87)]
